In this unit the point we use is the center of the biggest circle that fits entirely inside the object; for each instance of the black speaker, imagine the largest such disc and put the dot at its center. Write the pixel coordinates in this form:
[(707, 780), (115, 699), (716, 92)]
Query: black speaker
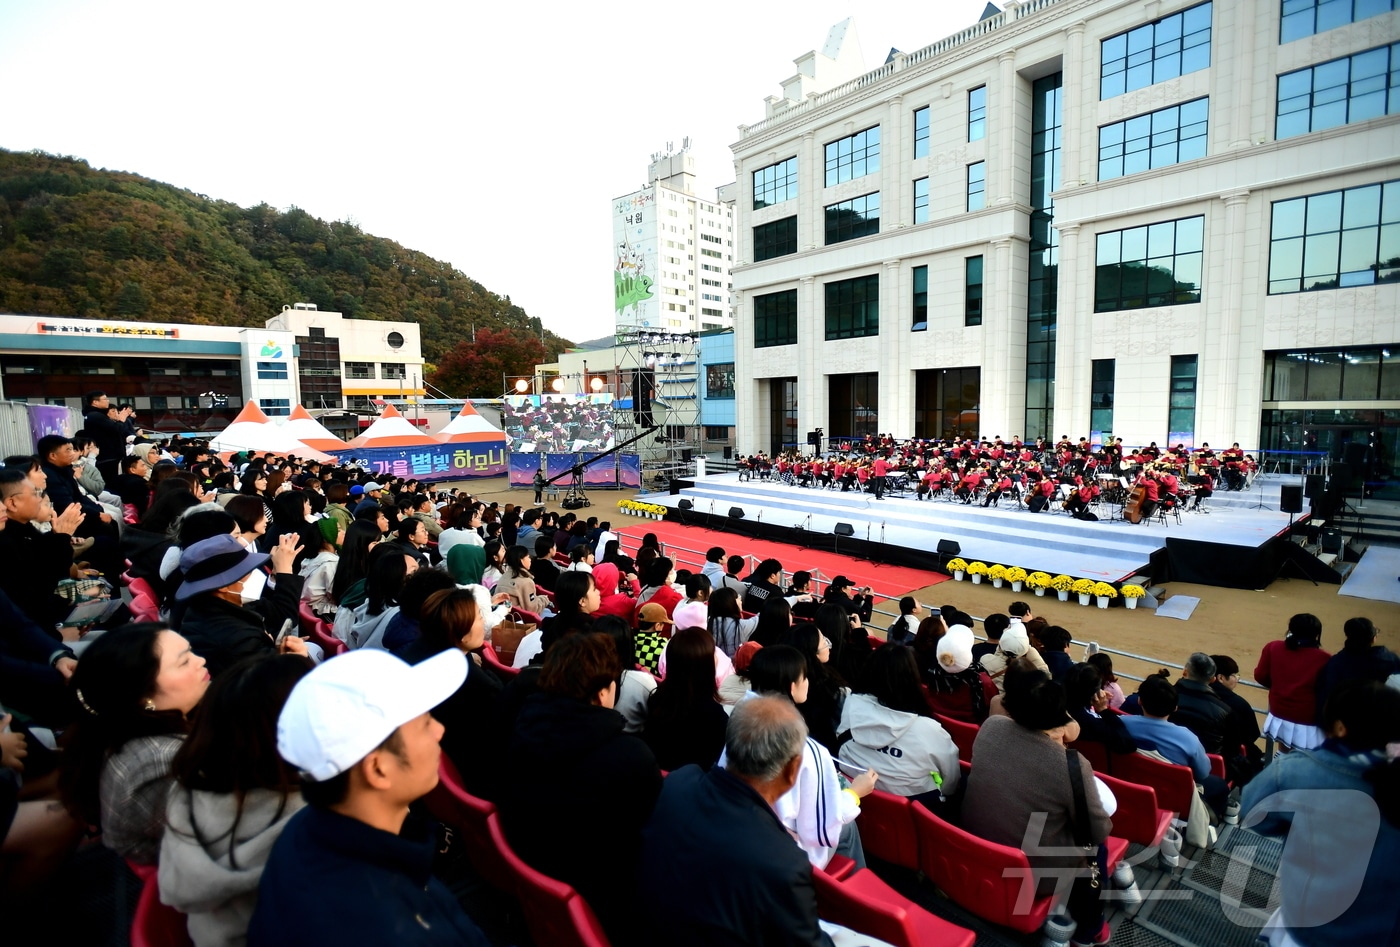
[(1341, 479), (736, 513), (1290, 498), (949, 547), (728, 453), (814, 439), (1331, 541), (844, 529), (1313, 486), (687, 455), (643, 388), (685, 504)]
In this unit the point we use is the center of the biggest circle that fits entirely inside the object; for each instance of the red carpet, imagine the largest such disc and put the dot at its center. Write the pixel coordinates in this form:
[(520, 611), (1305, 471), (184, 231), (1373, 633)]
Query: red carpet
[(687, 545)]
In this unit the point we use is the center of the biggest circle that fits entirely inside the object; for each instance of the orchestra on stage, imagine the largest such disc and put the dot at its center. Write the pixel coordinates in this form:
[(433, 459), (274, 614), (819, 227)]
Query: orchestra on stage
[(1073, 477)]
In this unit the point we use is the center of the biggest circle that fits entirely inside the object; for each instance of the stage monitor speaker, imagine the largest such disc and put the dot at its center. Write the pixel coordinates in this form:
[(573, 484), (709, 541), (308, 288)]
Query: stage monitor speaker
[(1331, 541), (1355, 454), (687, 455), (949, 547), (728, 453), (1341, 479), (1313, 486), (1290, 498), (844, 529), (736, 513), (685, 504)]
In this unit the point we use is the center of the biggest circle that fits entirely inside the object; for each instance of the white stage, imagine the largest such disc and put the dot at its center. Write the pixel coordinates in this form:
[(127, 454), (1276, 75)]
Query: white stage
[(1111, 550)]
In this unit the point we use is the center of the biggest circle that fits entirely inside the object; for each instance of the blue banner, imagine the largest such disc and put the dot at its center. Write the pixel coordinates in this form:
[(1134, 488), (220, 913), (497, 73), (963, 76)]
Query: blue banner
[(611, 473), (433, 462)]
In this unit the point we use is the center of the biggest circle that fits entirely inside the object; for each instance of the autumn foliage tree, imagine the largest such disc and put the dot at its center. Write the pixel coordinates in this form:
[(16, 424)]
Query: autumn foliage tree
[(476, 369)]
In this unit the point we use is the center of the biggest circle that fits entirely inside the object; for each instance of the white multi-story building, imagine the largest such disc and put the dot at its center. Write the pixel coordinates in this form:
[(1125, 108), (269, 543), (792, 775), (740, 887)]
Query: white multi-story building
[(1174, 220), (672, 251)]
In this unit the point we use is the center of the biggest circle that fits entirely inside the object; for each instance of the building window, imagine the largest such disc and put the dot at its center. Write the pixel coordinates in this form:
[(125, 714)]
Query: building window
[(1336, 239), (394, 340), (1360, 374), (977, 185), (857, 217), (977, 114), (920, 322), (775, 319), (276, 407), (716, 432), (972, 291), (1101, 400), (947, 402), (853, 307), (1155, 140), (777, 238), (1181, 412), (1042, 271), (853, 403), (359, 369), (268, 371), (775, 183), (853, 156), (1155, 52), (921, 201), (921, 132), (359, 403), (719, 380), (1340, 92), (392, 370), (1156, 265), (1302, 18), (315, 333)]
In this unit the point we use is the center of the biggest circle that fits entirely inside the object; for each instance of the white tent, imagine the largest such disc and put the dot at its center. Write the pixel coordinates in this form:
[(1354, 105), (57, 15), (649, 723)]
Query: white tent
[(252, 430), (302, 426), (392, 430), (469, 427)]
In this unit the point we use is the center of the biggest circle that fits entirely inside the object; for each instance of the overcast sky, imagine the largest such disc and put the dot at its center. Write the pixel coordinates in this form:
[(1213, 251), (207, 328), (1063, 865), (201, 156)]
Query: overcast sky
[(490, 135)]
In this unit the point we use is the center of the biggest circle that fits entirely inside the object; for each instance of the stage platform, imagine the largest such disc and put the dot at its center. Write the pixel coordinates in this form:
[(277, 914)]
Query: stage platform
[(1234, 544)]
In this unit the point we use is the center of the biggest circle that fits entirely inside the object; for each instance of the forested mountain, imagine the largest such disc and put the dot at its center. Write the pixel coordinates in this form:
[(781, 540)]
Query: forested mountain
[(78, 241)]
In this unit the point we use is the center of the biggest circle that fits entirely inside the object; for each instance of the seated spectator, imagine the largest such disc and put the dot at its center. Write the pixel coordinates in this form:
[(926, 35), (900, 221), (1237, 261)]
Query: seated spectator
[(993, 625), (634, 686), (656, 586), (495, 551), (762, 585), (352, 571), (575, 604), (233, 796), (389, 568), (145, 543), (318, 572), (907, 624), (35, 668), (353, 867), (580, 555), (289, 517), (543, 567), (133, 485), (956, 688), (1021, 780), (137, 686), (862, 603), (576, 790), (420, 508), (714, 568), (684, 719), (826, 690), (1088, 704), (726, 622), (654, 629), (519, 583), (453, 618), (1289, 669), (1015, 643), (1200, 711), (1341, 866), (467, 529), (1243, 718), (888, 712), (774, 622), (735, 687), (1104, 664), (56, 456), (411, 536), (1055, 643), (1360, 659), (1154, 731), (35, 562), (732, 567), (717, 866), (851, 644), (818, 813), (404, 628), (211, 612), (612, 601)]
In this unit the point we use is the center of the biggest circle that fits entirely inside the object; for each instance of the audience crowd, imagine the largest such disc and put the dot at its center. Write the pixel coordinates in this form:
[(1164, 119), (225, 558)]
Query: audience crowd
[(307, 648)]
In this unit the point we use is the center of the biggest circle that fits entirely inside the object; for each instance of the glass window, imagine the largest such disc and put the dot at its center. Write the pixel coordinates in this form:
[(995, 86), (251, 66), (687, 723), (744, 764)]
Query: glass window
[(853, 308), (775, 319), (777, 238), (1155, 52), (1336, 239), (972, 291), (1042, 275), (854, 404), (920, 132), (719, 380), (276, 407), (1352, 89), (857, 217), (977, 114), (359, 369), (853, 157), (977, 185), (272, 370), (1302, 18), (775, 183), (392, 370), (1155, 140), (1156, 265), (1181, 410), (921, 201), (920, 298), (1101, 400)]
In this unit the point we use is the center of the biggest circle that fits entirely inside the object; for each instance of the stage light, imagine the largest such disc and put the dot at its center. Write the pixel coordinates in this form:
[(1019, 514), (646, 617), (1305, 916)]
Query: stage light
[(557, 384), (596, 384), (650, 360), (522, 386), (676, 357)]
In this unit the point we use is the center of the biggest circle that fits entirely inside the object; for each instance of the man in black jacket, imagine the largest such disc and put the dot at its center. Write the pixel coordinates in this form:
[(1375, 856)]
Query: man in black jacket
[(717, 866), (1199, 710), (106, 425), (35, 562)]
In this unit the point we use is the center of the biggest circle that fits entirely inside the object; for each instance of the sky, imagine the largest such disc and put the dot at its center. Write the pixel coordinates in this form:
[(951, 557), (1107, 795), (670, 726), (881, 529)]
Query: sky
[(490, 135)]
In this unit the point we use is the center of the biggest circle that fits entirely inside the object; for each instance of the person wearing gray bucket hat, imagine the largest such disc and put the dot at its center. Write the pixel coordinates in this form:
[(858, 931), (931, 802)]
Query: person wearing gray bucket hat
[(209, 609)]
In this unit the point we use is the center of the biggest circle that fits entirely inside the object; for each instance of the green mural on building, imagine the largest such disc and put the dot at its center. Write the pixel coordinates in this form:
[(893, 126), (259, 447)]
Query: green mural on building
[(631, 285)]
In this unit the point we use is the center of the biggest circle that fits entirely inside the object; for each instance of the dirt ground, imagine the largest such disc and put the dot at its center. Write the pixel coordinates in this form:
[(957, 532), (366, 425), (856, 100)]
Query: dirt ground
[(1236, 622)]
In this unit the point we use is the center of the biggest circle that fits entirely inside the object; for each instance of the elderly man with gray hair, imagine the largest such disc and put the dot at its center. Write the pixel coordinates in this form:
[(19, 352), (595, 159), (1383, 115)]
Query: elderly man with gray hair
[(717, 866), (1199, 710)]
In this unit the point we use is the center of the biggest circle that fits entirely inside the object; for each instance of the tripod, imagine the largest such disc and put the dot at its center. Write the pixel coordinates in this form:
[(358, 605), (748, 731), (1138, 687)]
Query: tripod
[(576, 497)]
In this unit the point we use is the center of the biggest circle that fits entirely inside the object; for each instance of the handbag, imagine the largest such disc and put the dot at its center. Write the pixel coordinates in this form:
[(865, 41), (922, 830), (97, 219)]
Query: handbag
[(1080, 824), (505, 638)]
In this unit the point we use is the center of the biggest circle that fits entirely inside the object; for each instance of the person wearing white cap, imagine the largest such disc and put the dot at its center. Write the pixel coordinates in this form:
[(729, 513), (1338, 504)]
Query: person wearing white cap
[(1014, 643), (346, 869), (956, 688)]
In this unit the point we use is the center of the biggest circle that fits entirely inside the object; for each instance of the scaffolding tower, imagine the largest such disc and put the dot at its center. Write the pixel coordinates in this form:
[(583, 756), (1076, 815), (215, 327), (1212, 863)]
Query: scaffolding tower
[(657, 378)]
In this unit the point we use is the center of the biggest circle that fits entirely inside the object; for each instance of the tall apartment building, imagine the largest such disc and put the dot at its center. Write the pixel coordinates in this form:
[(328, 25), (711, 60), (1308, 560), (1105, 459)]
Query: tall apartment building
[(1173, 220), (672, 251)]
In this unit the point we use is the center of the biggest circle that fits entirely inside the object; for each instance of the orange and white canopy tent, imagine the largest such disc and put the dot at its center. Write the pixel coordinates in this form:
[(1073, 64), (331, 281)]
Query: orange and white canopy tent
[(469, 427), (392, 430), (252, 431), (302, 426)]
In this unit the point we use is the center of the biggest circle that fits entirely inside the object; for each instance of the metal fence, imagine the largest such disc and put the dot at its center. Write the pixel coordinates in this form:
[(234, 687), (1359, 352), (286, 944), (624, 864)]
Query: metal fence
[(16, 434)]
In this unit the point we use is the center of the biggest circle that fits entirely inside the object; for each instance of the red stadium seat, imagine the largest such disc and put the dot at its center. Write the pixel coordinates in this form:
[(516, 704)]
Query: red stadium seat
[(452, 805), (887, 829), (963, 734), (1174, 785), (307, 619), (1217, 765), (144, 608), (1138, 819), (155, 924), (493, 661), (321, 635), (868, 906), (142, 587), (1093, 751), (555, 913)]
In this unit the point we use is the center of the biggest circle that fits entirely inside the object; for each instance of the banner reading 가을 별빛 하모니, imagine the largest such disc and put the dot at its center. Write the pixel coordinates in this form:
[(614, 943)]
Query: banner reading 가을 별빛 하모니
[(433, 462)]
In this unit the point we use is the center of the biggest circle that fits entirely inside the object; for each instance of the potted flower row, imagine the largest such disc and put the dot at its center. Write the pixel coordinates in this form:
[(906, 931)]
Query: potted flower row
[(653, 511), (998, 573)]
